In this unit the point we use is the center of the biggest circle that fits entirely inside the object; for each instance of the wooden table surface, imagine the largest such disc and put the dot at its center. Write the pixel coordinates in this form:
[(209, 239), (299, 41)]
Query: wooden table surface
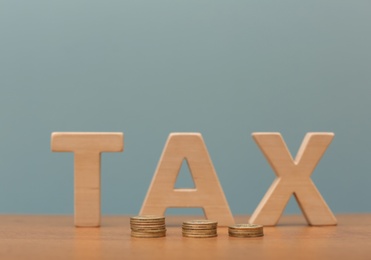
[(55, 237)]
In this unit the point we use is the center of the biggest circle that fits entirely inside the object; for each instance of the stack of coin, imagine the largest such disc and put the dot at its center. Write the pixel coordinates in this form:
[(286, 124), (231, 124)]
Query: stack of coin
[(246, 230), (200, 228), (148, 226)]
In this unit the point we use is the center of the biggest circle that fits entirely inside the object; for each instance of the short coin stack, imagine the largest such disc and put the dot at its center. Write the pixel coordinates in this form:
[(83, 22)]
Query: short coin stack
[(246, 230), (148, 226), (200, 228)]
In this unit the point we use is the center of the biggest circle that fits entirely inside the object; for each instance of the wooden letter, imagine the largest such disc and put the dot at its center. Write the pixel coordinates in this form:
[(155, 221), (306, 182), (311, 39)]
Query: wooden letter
[(208, 193), (87, 148), (293, 177)]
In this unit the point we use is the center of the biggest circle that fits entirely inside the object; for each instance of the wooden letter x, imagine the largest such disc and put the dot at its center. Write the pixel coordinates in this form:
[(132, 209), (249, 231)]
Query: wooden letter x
[(208, 193), (293, 177), (87, 148)]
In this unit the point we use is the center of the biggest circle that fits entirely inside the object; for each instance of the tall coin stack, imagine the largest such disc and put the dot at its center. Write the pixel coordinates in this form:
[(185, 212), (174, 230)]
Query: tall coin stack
[(148, 226), (245, 230), (200, 228)]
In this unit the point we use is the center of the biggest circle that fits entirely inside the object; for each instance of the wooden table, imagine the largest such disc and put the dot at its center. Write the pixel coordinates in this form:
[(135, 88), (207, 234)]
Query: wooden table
[(55, 237)]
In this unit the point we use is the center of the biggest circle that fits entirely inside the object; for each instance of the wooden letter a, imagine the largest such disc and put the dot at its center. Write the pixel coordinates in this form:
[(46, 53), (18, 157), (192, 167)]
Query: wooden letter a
[(208, 193)]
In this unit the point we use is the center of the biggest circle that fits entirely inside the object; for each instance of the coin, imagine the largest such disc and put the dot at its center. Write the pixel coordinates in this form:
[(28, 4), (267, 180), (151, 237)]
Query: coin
[(246, 226), (199, 224), (148, 226), (148, 234), (148, 219), (200, 231), (138, 227), (245, 236), (200, 228), (246, 230), (200, 236)]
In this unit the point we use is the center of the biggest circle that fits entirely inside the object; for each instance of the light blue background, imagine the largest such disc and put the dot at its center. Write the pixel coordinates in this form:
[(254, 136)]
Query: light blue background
[(148, 68)]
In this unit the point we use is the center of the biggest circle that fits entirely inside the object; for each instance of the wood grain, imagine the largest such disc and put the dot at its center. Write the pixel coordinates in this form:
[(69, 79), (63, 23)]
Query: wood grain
[(293, 178), (87, 149), (55, 237), (208, 193)]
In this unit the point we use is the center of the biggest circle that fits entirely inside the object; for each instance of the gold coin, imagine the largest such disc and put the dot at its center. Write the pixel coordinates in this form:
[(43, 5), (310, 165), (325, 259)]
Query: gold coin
[(148, 226), (200, 228), (148, 235), (147, 219), (245, 226), (245, 235), (137, 227), (200, 236), (200, 232), (148, 231), (245, 230), (206, 226), (200, 222)]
